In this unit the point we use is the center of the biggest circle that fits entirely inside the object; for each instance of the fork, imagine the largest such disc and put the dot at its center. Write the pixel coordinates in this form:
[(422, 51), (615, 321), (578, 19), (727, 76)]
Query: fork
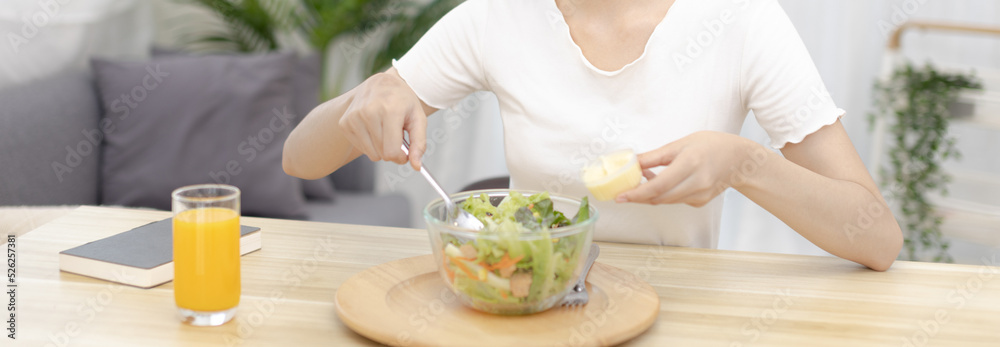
[(578, 296)]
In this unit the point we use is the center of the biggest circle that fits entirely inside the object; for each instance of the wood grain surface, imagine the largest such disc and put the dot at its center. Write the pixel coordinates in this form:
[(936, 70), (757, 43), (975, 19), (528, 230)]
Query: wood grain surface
[(706, 297), (406, 302)]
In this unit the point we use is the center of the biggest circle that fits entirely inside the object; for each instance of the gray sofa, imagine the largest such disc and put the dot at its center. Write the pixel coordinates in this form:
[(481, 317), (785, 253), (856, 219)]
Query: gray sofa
[(39, 120)]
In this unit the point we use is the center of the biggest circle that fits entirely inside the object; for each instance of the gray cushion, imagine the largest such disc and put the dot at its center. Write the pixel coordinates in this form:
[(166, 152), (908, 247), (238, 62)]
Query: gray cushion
[(305, 97), (305, 86), (356, 176), (319, 189), (45, 156), (204, 119), (391, 210)]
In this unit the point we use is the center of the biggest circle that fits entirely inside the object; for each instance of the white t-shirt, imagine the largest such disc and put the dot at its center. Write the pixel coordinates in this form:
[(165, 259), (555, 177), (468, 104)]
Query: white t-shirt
[(705, 66)]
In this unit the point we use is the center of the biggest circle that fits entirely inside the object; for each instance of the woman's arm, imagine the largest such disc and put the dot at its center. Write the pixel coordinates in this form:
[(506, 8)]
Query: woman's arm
[(820, 188), (369, 119)]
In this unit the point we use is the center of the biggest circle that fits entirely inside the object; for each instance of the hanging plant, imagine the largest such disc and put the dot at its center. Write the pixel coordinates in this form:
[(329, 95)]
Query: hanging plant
[(915, 102)]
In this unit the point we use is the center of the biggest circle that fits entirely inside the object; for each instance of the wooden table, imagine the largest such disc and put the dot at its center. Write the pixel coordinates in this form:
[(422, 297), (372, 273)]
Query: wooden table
[(707, 297)]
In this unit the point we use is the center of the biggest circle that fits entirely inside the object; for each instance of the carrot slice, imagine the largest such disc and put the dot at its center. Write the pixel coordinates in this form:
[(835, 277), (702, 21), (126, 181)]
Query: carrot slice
[(465, 269), (505, 262), (448, 270), (492, 267)]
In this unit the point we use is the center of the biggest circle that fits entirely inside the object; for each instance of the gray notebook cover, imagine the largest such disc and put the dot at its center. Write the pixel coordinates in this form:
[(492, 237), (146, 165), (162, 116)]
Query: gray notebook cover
[(145, 247)]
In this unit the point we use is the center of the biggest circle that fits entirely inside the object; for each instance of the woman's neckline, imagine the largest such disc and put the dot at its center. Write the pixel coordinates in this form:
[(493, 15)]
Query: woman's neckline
[(645, 49)]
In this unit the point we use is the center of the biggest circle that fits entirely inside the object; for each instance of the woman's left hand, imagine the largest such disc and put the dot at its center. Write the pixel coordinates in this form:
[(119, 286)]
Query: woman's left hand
[(699, 167)]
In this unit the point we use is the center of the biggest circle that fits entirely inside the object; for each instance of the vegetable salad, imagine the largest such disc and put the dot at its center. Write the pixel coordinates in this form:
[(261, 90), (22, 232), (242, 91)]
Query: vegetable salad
[(501, 268)]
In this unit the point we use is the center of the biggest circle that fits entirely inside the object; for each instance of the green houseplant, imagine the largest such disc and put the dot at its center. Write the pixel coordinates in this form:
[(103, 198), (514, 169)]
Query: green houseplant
[(915, 102), (258, 25)]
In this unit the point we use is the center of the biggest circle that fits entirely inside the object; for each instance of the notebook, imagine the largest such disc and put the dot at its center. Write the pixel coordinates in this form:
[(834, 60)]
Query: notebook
[(141, 257)]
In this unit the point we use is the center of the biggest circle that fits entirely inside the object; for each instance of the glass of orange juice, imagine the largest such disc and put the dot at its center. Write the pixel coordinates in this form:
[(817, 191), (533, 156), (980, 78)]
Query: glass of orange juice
[(206, 253)]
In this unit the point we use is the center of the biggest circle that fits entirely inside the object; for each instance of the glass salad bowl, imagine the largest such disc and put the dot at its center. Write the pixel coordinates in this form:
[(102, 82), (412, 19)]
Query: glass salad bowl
[(526, 259)]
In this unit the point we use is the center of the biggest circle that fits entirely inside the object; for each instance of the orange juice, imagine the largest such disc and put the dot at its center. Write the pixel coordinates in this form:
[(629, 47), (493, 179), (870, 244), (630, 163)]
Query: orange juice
[(207, 259)]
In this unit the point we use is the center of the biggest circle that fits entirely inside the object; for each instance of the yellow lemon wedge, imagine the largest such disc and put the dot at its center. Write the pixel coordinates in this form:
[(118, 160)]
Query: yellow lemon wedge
[(612, 174)]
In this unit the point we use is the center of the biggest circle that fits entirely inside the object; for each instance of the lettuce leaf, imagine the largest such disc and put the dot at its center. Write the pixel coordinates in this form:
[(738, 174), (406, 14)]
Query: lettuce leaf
[(551, 262)]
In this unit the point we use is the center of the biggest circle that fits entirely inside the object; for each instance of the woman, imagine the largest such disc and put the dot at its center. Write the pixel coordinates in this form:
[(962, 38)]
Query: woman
[(672, 80)]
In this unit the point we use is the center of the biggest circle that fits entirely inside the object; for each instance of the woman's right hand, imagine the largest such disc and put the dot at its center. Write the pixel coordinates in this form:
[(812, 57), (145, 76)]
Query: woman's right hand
[(380, 110), (369, 119)]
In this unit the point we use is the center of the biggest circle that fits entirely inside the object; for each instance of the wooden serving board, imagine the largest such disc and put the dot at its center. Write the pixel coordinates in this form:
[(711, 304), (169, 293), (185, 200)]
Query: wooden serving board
[(406, 303)]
